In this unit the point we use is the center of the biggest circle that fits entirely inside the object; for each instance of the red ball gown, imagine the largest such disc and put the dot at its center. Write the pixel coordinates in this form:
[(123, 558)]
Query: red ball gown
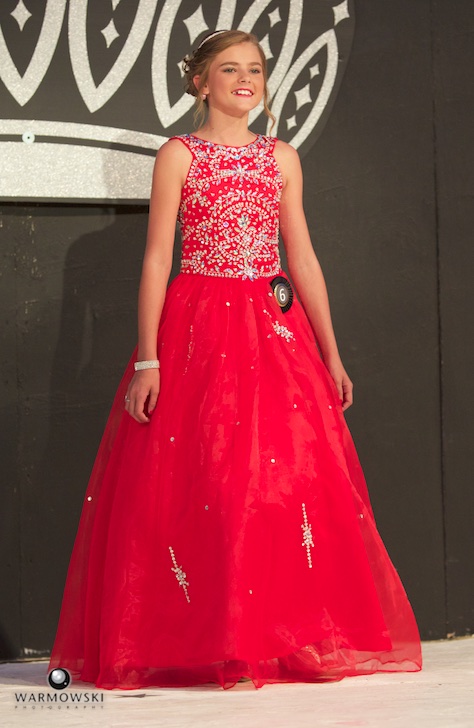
[(233, 535)]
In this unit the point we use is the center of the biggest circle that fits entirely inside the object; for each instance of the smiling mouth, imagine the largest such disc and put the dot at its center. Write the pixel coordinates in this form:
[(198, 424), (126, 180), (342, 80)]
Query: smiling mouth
[(242, 92)]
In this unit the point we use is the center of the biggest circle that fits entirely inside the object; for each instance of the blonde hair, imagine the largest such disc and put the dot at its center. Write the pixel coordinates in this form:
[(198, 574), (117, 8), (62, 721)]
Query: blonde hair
[(199, 61)]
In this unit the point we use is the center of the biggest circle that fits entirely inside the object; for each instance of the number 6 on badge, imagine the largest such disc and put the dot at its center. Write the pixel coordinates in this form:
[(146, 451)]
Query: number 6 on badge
[(283, 292)]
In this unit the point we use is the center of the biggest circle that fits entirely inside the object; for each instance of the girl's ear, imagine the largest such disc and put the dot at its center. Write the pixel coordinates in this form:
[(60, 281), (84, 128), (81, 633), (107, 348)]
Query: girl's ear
[(205, 88)]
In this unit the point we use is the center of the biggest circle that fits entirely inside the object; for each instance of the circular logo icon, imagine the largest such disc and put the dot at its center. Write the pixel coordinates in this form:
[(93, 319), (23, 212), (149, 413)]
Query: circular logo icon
[(283, 292), (59, 678)]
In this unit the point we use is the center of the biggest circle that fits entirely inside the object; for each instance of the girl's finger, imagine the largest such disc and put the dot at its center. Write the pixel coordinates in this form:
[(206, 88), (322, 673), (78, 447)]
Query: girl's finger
[(153, 400), (140, 416), (348, 397), (138, 409)]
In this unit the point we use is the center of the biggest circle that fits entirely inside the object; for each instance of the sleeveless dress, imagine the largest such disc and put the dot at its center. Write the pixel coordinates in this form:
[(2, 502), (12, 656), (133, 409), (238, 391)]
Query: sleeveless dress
[(232, 536)]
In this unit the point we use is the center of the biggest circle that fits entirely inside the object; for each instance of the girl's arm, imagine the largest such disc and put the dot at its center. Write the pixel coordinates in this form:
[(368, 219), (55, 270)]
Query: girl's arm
[(171, 166), (305, 270)]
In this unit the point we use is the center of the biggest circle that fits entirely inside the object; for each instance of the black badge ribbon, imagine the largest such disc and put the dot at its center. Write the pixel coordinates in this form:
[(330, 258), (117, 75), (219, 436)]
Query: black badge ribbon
[(283, 292)]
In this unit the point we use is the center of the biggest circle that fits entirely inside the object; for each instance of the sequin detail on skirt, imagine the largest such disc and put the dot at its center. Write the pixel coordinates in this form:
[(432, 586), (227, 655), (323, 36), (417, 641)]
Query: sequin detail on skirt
[(307, 536), (180, 574)]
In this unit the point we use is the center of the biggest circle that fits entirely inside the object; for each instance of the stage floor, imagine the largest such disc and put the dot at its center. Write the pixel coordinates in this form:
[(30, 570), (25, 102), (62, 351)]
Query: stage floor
[(440, 696)]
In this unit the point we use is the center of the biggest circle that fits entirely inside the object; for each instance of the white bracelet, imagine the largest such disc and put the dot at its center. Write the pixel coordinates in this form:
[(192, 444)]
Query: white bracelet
[(150, 364)]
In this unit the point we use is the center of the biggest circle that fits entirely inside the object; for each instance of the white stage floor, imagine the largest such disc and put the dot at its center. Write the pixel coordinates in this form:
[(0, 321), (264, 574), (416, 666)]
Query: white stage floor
[(440, 696)]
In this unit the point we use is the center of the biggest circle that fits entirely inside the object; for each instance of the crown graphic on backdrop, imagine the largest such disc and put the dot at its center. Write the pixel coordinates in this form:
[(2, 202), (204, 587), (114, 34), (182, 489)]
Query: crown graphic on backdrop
[(92, 89)]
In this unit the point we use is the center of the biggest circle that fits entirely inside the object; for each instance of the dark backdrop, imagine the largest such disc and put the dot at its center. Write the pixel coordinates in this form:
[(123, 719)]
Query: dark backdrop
[(388, 192)]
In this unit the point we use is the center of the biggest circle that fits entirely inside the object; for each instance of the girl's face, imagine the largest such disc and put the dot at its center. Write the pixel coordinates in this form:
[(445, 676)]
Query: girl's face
[(235, 83)]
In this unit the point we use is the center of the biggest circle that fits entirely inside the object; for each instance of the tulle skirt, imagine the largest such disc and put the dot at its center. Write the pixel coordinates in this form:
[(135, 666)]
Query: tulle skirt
[(232, 536)]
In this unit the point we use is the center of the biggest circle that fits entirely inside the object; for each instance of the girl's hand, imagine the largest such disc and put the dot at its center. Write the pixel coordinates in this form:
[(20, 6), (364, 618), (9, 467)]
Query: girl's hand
[(342, 381), (145, 384)]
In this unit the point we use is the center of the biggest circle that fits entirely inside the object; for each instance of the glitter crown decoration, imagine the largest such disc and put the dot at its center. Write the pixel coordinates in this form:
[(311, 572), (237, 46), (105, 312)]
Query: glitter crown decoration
[(90, 90)]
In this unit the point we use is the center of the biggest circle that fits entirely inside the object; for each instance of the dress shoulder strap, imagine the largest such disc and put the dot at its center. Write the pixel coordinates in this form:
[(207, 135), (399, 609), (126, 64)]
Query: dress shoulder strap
[(270, 141)]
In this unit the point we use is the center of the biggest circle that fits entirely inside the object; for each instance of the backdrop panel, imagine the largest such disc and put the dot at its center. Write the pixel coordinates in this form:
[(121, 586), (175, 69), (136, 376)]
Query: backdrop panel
[(388, 193), (93, 88), (454, 100)]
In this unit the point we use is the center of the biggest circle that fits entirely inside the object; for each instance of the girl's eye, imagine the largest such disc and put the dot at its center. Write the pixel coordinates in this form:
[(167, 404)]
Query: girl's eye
[(231, 70)]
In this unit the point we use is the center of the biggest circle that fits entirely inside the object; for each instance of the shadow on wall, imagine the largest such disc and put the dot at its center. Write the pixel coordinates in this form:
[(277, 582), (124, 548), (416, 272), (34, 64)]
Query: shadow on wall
[(97, 334)]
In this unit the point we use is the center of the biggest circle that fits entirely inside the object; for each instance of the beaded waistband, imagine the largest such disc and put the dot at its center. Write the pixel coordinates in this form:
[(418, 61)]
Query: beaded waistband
[(250, 272)]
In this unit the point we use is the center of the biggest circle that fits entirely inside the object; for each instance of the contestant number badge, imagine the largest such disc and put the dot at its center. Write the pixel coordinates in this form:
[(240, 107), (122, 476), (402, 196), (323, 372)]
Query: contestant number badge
[(283, 292)]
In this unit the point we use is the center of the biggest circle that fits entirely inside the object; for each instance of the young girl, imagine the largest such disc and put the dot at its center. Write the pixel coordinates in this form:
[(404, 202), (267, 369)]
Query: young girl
[(226, 531)]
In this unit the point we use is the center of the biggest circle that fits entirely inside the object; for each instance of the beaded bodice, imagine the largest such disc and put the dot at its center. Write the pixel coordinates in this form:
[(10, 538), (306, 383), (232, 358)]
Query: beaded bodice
[(229, 209)]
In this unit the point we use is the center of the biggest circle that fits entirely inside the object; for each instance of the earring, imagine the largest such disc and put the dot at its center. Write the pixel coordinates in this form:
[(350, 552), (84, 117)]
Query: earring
[(204, 97)]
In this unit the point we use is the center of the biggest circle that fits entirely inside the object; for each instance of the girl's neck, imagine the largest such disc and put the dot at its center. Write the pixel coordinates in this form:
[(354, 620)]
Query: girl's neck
[(228, 131)]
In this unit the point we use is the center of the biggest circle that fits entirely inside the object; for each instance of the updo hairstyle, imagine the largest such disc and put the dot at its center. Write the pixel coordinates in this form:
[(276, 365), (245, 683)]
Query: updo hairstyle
[(198, 63)]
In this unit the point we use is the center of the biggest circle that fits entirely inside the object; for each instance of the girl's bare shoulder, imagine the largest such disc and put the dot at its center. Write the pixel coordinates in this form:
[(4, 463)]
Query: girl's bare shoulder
[(287, 159), (173, 149), (173, 158), (286, 152)]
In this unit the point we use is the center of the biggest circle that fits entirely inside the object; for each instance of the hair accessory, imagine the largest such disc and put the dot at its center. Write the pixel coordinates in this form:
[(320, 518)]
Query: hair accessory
[(211, 35), (149, 364), (186, 61)]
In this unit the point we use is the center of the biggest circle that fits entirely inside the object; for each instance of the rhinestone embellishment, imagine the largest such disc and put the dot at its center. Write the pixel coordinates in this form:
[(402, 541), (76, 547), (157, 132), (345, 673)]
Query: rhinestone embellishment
[(307, 536), (229, 209), (190, 348), (180, 574), (283, 331), (279, 329)]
